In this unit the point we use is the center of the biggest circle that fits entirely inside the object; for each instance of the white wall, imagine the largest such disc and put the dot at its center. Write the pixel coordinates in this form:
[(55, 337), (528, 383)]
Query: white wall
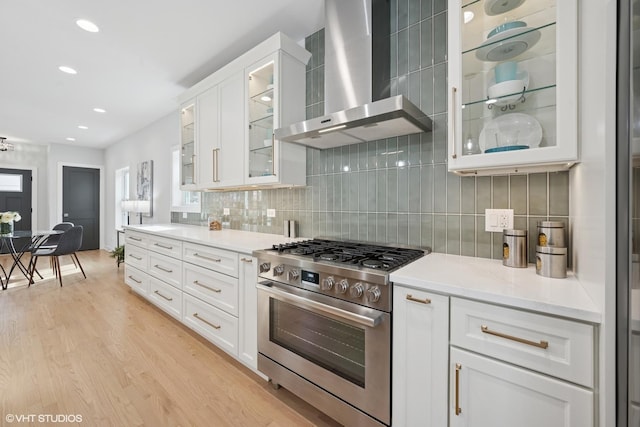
[(592, 182), (151, 143)]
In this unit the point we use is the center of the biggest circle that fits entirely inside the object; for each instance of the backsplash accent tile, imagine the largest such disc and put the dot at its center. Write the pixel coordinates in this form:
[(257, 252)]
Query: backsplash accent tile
[(397, 190)]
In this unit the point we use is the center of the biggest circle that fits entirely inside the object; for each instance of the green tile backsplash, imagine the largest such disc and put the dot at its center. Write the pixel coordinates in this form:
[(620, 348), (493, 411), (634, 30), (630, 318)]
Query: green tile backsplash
[(397, 190)]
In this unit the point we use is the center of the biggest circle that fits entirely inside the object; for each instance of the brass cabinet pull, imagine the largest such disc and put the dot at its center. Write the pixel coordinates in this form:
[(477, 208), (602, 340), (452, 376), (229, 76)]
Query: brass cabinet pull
[(206, 321), (163, 246), (273, 153), (453, 121), (247, 260), (458, 408), (135, 257), (137, 239), (134, 279), (167, 298), (421, 301), (166, 270), (206, 257), (195, 282), (216, 167), (193, 168), (542, 344)]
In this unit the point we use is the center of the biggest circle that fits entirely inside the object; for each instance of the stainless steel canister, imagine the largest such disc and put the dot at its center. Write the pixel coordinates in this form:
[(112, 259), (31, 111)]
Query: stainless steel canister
[(551, 233), (551, 261), (514, 248)]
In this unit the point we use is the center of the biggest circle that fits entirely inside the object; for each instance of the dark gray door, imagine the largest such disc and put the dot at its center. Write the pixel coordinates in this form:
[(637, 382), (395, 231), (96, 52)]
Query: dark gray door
[(81, 202), (15, 195)]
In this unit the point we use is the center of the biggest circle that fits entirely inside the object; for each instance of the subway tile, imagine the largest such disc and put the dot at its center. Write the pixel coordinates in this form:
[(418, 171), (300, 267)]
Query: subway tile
[(426, 9), (393, 15), (331, 200), (440, 188), (426, 90), (381, 153), (344, 191), (363, 197), (440, 88), (520, 223), (403, 52), (559, 193), (413, 150), (362, 157), (372, 194), (403, 14), (309, 88), (413, 87), (453, 234), (496, 245), (453, 193), (381, 227), (319, 87), (414, 11), (500, 192), (413, 227), (403, 229), (414, 190), (403, 85), (353, 157), (426, 43), (538, 194), (426, 230), (440, 138), (392, 228), (439, 38), (392, 190), (321, 48), (392, 152), (372, 161), (353, 226), (381, 187), (403, 190), (426, 148), (363, 226), (354, 186), (468, 195), (518, 194), (468, 235), (322, 168), (393, 86), (439, 6), (371, 227), (483, 239), (414, 51), (426, 188), (309, 113), (440, 233), (403, 151)]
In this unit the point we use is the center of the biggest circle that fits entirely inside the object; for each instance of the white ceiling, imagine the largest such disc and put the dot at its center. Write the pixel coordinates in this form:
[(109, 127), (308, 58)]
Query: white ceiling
[(146, 53)]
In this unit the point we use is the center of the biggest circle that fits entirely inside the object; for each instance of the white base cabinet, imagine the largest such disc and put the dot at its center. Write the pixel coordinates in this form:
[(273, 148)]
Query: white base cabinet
[(487, 393), (420, 358), (248, 339)]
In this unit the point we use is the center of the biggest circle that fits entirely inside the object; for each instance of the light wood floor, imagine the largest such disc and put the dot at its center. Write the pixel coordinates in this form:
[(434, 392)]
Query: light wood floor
[(96, 349)]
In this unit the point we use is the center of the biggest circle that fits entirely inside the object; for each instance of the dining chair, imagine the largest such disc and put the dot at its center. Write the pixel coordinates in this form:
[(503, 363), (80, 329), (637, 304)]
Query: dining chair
[(52, 240), (69, 243)]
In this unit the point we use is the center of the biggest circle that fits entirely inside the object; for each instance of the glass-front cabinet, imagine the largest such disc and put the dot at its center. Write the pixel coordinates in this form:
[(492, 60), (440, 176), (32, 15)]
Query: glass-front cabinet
[(261, 116), (188, 180), (512, 86)]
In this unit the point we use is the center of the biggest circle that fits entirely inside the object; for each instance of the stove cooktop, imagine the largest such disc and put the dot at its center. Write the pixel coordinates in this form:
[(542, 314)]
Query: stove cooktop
[(378, 257)]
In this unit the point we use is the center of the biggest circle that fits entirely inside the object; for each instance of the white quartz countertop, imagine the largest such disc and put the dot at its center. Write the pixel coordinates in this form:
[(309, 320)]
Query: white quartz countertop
[(489, 281), (234, 240)]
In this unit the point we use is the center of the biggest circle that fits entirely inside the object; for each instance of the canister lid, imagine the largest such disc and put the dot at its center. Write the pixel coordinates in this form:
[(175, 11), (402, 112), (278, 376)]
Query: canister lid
[(507, 232), (553, 250), (550, 224)]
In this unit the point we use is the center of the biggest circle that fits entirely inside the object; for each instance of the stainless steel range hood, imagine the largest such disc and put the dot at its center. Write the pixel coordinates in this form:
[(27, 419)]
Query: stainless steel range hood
[(357, 82)]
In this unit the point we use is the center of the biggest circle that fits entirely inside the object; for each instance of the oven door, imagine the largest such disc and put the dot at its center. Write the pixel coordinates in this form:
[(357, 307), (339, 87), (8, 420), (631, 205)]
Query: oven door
[(339, 346)]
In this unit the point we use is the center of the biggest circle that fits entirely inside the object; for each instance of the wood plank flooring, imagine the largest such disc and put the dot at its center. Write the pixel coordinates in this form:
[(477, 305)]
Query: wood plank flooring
[(94, 348)]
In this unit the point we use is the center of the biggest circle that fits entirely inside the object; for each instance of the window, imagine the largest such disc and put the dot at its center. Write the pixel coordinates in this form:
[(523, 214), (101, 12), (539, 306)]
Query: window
[(11, 182), (181, 201), (121, 193)]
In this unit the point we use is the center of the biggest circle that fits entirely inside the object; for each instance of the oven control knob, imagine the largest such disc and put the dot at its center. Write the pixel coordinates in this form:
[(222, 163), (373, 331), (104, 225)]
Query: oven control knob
[(293, 274), (327, 284), (277, 271), (373, 294), (342, 286), (264, 267), (356, 290)]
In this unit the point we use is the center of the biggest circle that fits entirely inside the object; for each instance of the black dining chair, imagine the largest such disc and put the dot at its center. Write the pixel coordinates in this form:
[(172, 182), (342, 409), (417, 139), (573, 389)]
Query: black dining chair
[(55, 238), (68, 244)]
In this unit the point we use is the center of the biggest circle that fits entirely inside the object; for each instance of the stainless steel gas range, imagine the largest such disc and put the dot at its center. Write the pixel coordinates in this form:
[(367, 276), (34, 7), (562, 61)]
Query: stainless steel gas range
[(324, 324)]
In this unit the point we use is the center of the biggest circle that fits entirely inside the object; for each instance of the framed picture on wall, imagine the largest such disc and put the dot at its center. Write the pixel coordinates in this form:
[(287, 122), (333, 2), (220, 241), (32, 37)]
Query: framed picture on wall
[(145, 184)]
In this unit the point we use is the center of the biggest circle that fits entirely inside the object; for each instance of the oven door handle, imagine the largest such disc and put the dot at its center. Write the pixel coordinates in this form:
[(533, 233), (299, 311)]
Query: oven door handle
[(360, 319)]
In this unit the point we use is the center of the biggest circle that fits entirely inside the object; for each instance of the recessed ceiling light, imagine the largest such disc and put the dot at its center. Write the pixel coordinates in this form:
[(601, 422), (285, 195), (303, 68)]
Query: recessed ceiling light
[(468, 16), (67, 70), (71, 139), (99, 110), (83, 127), (87, 25)]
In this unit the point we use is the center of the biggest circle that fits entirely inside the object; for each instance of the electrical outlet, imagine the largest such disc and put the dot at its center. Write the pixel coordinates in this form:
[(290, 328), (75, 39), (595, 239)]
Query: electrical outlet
[(184, 215), (496, 220), (225, 211), (271, 213)]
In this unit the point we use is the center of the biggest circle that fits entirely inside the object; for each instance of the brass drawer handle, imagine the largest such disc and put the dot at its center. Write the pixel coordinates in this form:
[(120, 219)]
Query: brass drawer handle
[(137, 239), (163, 246), (167, 298), (458, 408), (542, 344), (206, 321), (134, 279), (421, 301), (453, 121), (135, 257), (206, 257), (166, 270), (195, 282), (248, 260)]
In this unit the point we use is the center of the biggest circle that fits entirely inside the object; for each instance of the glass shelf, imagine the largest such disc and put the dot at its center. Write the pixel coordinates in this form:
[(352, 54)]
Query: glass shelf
[(265, 122), (261, 149), (497, 101), (260, 98)]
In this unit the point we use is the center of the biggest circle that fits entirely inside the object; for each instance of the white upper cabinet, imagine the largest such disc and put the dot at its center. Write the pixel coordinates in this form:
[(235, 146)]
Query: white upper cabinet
[(513, 101), (236, 110)]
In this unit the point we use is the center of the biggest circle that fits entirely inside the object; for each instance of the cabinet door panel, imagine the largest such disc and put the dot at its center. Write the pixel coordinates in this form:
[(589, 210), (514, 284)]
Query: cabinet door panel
[(420, 358), (492, 393), (248, 345), (208, 140), (229, 161)]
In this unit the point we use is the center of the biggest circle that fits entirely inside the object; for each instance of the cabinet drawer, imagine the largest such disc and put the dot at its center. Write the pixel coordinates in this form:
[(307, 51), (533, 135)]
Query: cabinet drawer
[(135, 238), (215, 259), (166, 297), (166, 268), (217, 289), (136, 257), (165, 246), (136, 279), (215, 325), (557, 347)]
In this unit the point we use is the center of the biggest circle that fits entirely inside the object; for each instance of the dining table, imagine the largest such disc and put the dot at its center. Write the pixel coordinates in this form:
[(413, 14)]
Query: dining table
[(8, 242)]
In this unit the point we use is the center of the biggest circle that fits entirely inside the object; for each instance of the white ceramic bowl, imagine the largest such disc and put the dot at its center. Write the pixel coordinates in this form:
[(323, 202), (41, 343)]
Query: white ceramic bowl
[(510, 87)]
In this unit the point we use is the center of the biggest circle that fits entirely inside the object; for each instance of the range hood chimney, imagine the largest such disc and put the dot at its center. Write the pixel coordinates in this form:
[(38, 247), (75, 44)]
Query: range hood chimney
[(357, 40)]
